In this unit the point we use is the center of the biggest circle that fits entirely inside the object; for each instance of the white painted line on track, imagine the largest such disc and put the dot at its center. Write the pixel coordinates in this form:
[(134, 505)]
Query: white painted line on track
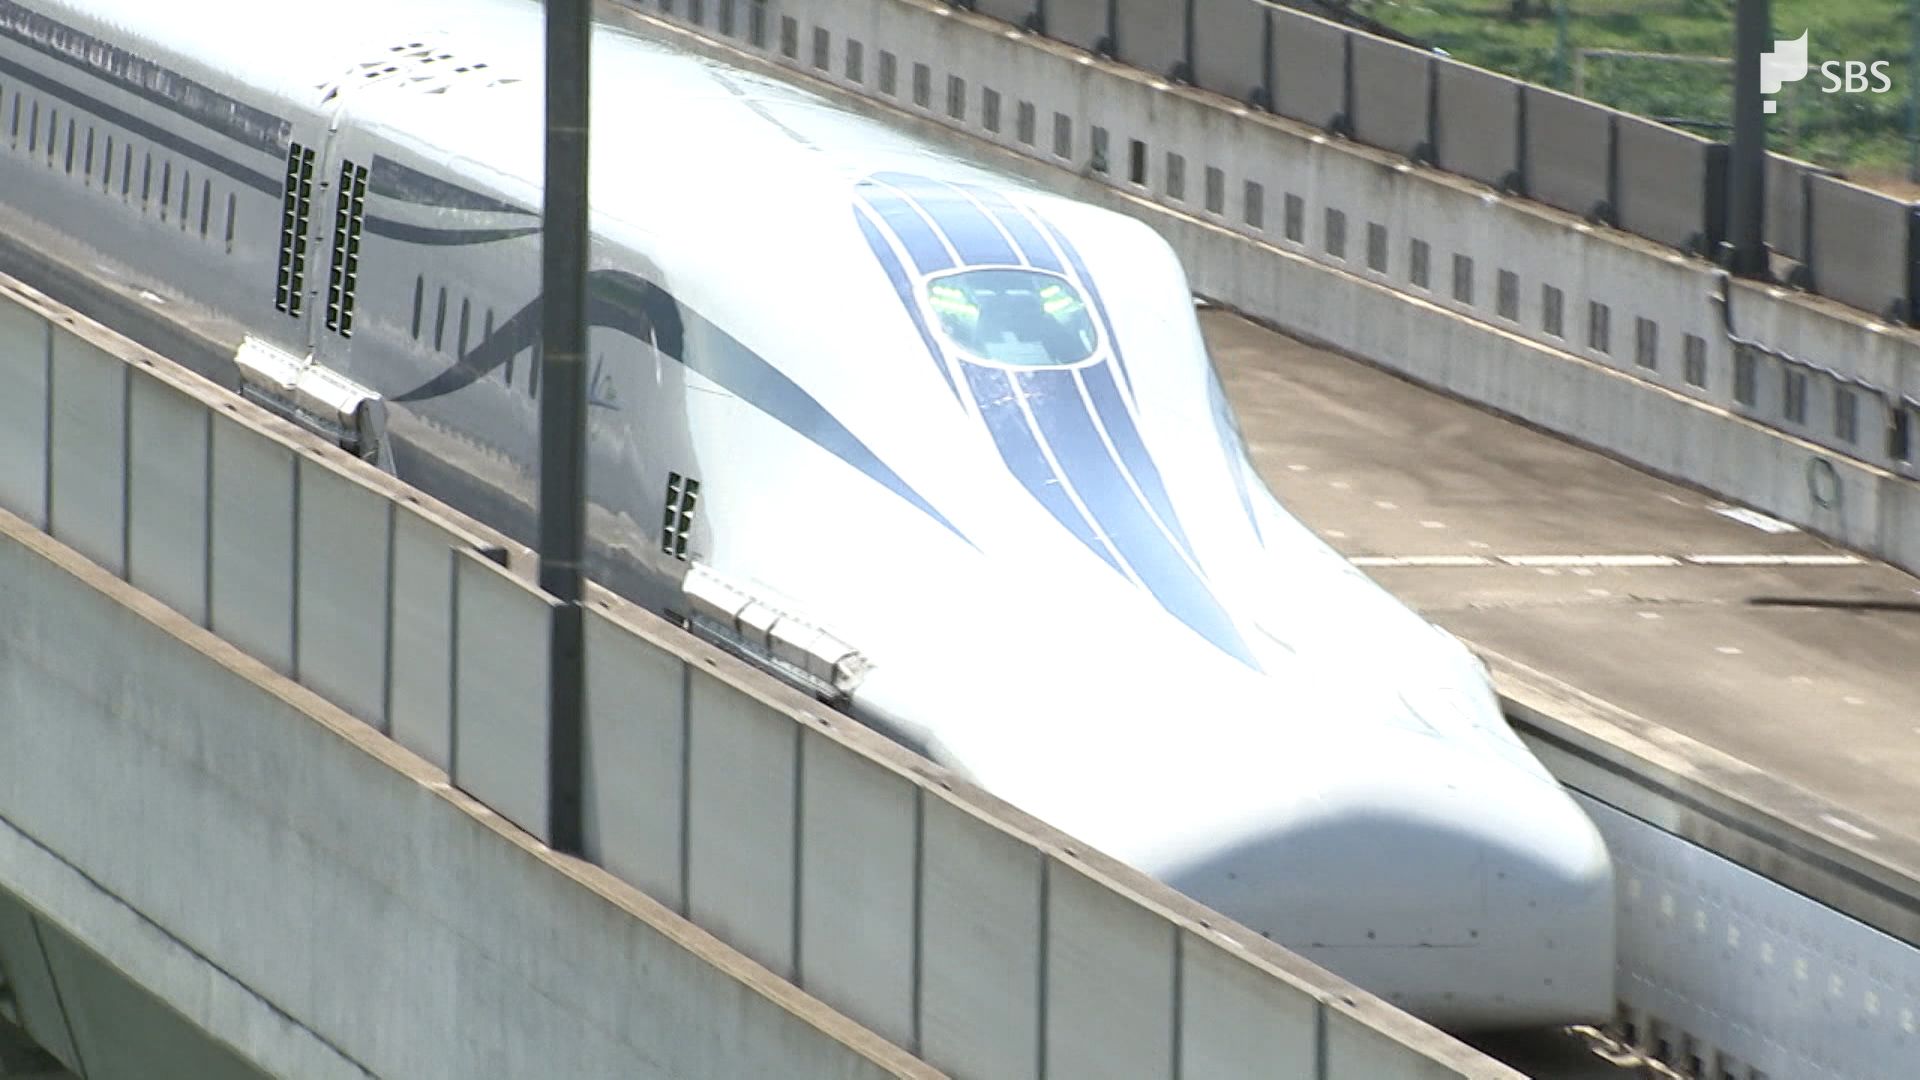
[(1583, 563), (1589, 560)]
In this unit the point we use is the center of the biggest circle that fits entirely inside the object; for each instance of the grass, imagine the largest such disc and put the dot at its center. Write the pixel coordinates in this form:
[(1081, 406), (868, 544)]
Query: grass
[(1861, 134)]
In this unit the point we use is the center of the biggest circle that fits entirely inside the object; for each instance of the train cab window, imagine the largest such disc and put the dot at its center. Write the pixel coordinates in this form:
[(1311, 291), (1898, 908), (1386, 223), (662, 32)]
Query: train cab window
[(1021, 318)]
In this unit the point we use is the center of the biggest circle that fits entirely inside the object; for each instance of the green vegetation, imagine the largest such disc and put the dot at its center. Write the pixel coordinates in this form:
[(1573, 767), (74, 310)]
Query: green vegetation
[(1862, 134)]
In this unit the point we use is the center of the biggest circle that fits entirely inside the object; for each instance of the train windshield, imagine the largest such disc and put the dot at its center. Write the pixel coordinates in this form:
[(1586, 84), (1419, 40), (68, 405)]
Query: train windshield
[(1017, 317)]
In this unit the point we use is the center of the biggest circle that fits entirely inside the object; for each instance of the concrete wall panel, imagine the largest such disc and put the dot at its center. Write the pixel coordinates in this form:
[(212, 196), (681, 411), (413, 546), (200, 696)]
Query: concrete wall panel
[(1110, 984), (1664, 191), (1786, 226), (1309, 74), (500, 635), (121, 1032), (1355, 1051), (1476, 123), (1229, 47), (980, 947), (1016, 12), (1151, 34), (1859, 252), (857, 842), (23, 412), (343, 606), (742, 763), (322, 857), (23, 965), (1236, 1019), (251, 601), (1084, 23), (88, 450), (636, 758), (167, 496), (1567, 147), (420, 701), (1392, 96)]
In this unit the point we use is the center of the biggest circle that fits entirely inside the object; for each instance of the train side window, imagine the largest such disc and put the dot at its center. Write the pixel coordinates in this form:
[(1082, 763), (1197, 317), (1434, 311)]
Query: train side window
[(33, 128), (206, 205), (1694, 364), (1646, 343), (1335, 239), (233, 206), (1795, 406), (1746, 378), (1599, 329), (419, 301), (1176, 176), (126, 172), (1508, 295), (166, 187), (146, 182), (86, 166), (186, 197), (1553, 311), (71, 129), (1846, 415), (466, 312), (440, 320)]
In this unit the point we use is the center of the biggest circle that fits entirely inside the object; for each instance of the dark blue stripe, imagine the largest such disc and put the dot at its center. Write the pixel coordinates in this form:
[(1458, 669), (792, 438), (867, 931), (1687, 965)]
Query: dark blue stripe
[(971, 232), (1118, 421), (1067, 425), (914, 232), (1011, 433), (1093, 294), (435, 236), (1032, 245), (642, 310), (897, 274)]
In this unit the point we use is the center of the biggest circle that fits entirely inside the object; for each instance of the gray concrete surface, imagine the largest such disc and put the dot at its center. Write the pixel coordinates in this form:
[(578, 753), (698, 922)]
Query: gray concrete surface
[(1639, 591), (339, 909)]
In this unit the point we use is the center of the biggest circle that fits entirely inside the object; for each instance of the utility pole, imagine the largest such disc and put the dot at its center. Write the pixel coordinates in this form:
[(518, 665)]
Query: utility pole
[(1560, 43), (1747, 159), (1913, 91), (564, 248)]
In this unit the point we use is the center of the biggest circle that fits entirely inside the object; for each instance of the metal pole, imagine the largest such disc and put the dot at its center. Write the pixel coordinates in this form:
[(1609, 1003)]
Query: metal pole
[(1747, 160), (1560, 43), (1913, 91), (563, 386)]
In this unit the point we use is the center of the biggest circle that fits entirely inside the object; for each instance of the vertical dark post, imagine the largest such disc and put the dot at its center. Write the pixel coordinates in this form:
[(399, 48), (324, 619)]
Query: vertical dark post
[(1561, 46), (1913, 90), (1747, 161), (563, 461)]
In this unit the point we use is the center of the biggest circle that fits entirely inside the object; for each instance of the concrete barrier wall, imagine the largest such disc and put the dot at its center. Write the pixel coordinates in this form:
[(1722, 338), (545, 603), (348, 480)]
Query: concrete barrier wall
[(1859, 252), (974, 936), (1496, 299), (320, 900), (1662, 184)]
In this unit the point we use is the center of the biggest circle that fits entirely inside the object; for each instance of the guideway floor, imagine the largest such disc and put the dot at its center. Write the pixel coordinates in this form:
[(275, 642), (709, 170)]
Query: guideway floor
[(1760, 641)]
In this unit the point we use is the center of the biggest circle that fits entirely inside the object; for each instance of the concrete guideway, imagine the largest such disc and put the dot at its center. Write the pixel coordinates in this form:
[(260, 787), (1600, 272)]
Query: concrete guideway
[(1769, 645)]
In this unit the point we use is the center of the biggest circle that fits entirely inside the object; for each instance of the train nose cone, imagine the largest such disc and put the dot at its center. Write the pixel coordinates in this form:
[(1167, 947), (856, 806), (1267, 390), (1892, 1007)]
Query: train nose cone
[(1471, 893)]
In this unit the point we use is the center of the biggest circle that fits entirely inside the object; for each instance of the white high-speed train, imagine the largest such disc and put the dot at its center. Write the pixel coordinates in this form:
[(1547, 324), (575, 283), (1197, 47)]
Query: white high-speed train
[(937, 445)]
